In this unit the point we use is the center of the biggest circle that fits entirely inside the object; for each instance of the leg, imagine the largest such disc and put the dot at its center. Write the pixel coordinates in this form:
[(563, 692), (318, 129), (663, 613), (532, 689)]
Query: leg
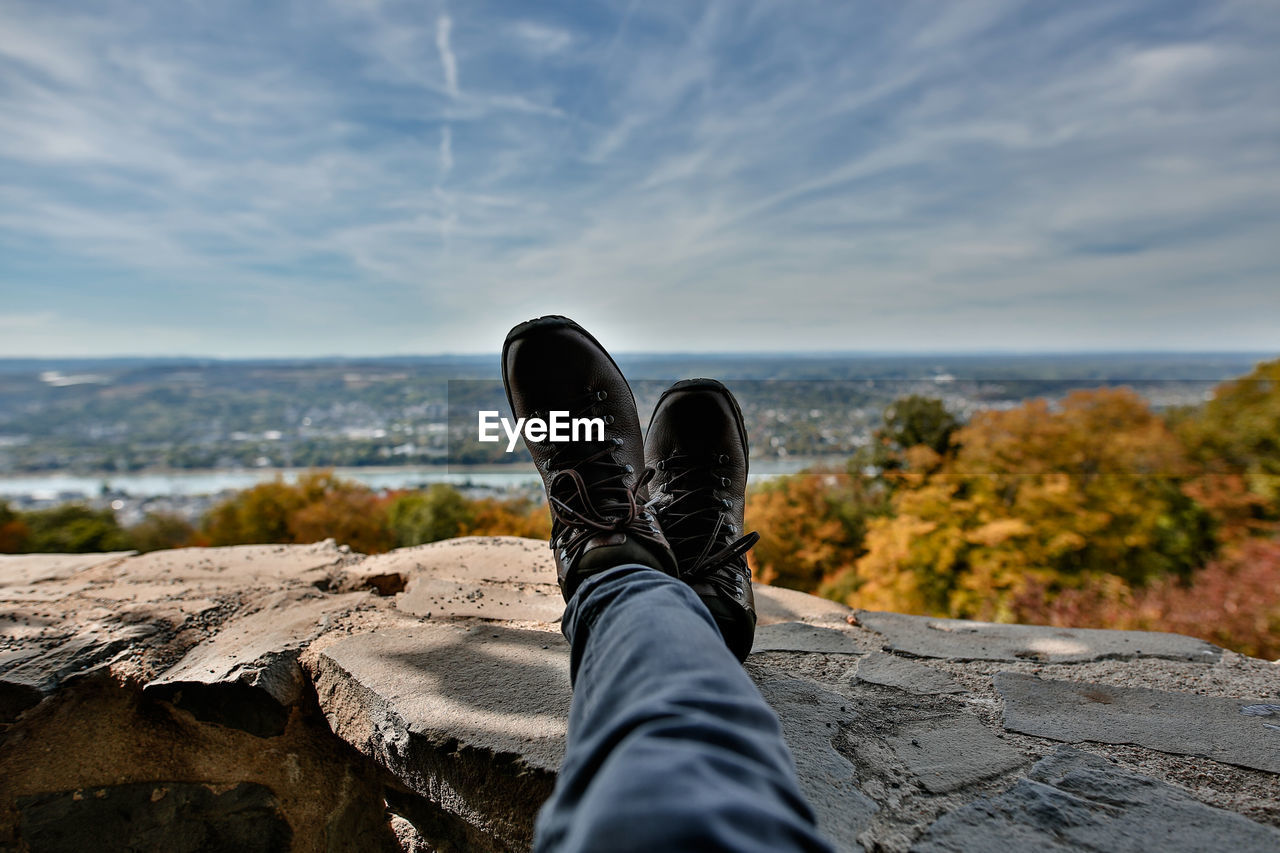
[(671, 747)]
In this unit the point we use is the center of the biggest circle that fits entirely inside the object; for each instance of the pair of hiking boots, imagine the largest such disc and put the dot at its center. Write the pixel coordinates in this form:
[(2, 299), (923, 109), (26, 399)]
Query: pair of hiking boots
[(673, 500)]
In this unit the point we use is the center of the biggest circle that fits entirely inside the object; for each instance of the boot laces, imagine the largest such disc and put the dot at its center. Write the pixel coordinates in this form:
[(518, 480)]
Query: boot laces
[(688, 507), (588, 492)]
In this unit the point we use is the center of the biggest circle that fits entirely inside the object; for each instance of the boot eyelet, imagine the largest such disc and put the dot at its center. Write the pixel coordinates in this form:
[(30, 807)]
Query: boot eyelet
[(608, 419), (662, 465), (724, 481), (617, 442), (630, 470), (722, 459), (602, 395), (724, 502)]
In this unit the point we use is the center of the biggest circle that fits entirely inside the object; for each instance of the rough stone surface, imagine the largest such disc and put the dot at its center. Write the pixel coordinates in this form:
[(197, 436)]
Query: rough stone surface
[(776, 604), (417, 700), (958, 639), (501, 690), (472, 717), (799, 637), (904, 674), (31, 678), (499, 578), (1181, 723), (811, 719), (247, 675), (1076, 801), (950, 752), (19, 570)]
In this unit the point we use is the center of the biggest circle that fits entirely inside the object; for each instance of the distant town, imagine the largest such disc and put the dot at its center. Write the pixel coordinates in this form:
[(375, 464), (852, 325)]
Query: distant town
[(148, 435)]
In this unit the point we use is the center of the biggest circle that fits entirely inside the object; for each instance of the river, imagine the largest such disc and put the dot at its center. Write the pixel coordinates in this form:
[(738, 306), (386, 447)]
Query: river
[(53, 486)]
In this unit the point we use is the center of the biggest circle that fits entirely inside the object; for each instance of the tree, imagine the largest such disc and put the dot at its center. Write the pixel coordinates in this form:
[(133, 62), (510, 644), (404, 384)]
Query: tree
[(13, 531), (511, 517), (73, 529), (439, 512), (159, 531), (1234, 602), (914, 421), (346, 512), (319, 506), (1038, 495), (803, 539), (1237, 434), (256, 515)]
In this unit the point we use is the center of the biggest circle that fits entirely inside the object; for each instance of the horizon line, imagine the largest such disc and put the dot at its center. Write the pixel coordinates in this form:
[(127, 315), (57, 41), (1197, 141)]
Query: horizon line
[(952, 353)]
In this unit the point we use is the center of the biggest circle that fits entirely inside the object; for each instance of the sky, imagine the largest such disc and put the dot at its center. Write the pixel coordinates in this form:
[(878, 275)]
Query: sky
[(370, 177)]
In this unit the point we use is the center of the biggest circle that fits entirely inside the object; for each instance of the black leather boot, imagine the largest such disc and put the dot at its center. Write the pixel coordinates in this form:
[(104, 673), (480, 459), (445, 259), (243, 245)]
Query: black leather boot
[(697, 441), (596, 488)]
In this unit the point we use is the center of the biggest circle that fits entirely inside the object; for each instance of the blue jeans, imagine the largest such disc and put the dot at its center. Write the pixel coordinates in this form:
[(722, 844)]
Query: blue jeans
[(671, 747)]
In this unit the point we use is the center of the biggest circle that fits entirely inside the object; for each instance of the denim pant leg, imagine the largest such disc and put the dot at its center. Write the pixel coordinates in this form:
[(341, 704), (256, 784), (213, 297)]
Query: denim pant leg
[(671, 747)]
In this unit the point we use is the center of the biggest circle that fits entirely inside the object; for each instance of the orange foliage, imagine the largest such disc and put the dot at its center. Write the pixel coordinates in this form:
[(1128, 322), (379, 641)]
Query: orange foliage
[(318, 506), (802, 540), (13, 535), (353, 517), (1035, 498), (493, 517)]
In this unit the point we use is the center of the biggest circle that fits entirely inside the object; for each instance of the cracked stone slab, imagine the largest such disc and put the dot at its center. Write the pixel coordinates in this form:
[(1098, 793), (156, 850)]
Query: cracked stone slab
[(1073, 801), (472, 718), (811, 716), (799, 637), (904, 674), (32, 675), (1179, 723), (949, 753), (247, 675), (958, 639), (503, 690)]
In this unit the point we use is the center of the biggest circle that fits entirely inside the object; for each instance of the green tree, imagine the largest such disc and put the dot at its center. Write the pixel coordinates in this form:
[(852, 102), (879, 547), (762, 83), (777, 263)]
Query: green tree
[(256, 515), (913, 421), (74, 529), (439, 512), (1238, 431), (159, 531)]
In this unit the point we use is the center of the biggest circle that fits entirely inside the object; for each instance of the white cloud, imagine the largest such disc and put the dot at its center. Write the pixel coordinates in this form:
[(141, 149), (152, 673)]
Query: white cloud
[(542, 40), (446, 150), (747, 176), (448, 62)]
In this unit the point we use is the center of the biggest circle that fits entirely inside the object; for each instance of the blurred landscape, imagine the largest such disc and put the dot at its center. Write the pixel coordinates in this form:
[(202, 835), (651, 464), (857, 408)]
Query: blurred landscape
[(116, 417), (1124, 490)]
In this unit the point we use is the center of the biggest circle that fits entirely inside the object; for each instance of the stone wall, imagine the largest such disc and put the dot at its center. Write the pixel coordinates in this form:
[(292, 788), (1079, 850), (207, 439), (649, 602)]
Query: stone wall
[(308, 698)]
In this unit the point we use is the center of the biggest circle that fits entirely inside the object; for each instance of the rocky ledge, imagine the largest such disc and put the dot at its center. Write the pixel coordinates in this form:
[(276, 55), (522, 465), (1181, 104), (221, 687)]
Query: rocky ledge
[(308, 698)]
